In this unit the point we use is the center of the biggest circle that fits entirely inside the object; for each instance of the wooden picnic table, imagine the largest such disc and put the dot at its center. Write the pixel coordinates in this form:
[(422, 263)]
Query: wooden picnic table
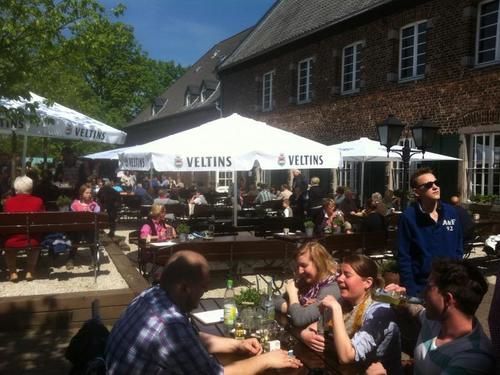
[(314, 362), (240, 252)]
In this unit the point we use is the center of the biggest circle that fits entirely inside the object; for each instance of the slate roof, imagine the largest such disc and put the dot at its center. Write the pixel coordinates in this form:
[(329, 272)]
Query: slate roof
[(289, 20), (172, 100)]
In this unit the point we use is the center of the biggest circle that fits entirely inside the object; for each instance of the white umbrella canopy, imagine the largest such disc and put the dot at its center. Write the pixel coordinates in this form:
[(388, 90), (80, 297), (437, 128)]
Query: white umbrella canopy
[(232, 143), (365, 149), (58, 121), (108, 154)]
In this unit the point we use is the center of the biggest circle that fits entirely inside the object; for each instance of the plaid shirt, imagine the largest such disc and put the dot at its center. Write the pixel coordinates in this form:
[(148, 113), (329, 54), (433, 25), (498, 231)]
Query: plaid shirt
[(154, 337)]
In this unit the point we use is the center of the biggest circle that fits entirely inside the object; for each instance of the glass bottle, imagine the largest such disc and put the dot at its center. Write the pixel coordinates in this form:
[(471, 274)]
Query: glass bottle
[(229, 307), (268, 303), (395, 298)]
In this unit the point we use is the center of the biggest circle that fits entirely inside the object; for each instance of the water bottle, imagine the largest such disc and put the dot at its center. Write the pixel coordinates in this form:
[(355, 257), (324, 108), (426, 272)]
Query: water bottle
[(229, 307), (268, 303)]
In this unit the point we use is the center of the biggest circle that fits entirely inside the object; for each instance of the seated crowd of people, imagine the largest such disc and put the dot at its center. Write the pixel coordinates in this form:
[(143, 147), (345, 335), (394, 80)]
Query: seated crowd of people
[(330, 306)]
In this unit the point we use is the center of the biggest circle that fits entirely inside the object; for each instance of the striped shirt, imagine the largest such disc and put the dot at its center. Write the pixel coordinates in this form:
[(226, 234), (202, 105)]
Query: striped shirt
[(154, 337)]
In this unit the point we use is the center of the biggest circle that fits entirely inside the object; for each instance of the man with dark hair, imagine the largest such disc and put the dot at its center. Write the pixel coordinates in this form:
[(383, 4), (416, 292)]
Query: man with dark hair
[(427, 229), (155, 335), (451, 339)]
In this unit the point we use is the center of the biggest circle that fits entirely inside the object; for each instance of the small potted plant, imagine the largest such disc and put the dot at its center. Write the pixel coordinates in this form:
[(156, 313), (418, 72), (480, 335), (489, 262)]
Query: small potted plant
[(183, 230), (309, 227), (248, 301), (63, 202), (338, 224)]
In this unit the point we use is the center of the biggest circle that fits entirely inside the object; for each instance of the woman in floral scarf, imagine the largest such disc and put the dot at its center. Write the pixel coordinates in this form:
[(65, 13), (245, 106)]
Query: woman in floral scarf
[(364, 331), (315, 279)]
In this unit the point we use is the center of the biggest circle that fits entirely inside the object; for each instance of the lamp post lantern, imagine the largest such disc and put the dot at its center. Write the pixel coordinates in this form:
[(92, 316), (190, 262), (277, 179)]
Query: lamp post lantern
[(390, 131)]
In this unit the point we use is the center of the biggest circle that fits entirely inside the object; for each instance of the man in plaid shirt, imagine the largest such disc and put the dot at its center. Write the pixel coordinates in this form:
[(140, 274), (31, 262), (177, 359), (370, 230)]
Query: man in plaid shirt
[(155, 336)]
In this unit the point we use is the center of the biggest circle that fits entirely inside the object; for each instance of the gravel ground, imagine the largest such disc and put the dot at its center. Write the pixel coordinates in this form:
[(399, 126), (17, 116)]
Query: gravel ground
[(57, 279)]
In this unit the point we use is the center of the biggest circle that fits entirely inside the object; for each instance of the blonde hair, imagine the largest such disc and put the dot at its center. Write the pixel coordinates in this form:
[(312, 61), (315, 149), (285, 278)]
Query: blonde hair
[(315, 181), (323, 261), (156, 210)]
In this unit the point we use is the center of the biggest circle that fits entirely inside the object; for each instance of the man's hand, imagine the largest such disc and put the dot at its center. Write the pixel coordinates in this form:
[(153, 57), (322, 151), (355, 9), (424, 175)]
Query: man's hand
[(249, 346), (376, 368), (311, 338), (279, 359)]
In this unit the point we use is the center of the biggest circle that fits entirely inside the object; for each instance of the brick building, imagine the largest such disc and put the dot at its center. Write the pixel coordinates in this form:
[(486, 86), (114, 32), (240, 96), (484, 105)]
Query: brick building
[(330, 69)]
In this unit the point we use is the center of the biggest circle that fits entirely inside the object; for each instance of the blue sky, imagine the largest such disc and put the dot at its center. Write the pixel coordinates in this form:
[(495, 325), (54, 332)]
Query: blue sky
[(183, 30)]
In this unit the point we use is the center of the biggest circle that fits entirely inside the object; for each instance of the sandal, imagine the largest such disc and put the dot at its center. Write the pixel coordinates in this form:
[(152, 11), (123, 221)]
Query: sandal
[(13, 277), (29, 276)]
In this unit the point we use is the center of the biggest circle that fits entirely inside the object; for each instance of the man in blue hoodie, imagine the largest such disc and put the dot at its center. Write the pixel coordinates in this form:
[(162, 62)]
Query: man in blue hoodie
[(428, 229)]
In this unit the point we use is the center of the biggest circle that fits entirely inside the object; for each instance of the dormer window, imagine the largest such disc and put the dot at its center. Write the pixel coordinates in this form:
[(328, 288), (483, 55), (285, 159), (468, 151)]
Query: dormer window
[(158, 105), (192, 95), (207, 88)]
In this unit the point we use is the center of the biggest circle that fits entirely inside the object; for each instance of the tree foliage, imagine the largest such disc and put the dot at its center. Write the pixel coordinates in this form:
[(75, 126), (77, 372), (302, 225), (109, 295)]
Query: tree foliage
[(73, 52)]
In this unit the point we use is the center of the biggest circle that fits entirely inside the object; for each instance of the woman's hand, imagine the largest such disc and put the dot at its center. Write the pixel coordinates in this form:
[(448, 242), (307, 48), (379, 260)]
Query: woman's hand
[(280, 359), (311, 338), (249, 346), (310, 301), (330, 302)]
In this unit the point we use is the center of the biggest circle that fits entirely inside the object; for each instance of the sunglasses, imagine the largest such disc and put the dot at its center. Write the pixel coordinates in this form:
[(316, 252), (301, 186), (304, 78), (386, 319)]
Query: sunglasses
[(428, 185)]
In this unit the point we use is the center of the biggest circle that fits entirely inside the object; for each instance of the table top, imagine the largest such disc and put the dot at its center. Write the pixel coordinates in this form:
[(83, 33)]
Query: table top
[(313, 361)]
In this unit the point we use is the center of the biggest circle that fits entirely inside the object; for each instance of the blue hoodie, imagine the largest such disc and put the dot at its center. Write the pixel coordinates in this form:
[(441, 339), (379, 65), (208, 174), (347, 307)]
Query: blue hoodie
[(421, 240)]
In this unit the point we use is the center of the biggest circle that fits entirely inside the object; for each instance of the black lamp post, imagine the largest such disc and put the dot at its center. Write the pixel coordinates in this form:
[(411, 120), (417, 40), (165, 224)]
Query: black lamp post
[(390, 131)]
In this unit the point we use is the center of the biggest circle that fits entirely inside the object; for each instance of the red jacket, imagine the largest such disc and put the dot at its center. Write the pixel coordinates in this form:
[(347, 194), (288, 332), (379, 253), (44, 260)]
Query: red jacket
[(23, 203)]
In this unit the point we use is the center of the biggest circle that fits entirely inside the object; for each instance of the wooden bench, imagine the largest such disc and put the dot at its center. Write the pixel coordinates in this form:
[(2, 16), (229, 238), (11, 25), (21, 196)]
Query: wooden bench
[(39, 223), (239, 252)]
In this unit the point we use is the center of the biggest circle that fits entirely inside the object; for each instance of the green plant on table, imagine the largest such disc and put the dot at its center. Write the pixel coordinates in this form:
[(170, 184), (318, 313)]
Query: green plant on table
[(308, 224), (62, 201), (183, 228), (248, 297)]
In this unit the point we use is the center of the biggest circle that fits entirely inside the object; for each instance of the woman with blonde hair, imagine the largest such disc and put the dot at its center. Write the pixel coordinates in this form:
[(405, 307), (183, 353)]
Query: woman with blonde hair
[(156, 226), (364, 331), (315, 278)]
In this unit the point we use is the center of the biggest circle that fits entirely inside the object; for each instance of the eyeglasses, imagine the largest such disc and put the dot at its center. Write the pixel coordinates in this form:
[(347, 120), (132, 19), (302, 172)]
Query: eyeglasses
[(428, 185)]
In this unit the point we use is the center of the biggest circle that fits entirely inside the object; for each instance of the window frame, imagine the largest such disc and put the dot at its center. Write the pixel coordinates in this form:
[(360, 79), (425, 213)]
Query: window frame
[(308, 78), (357, 49), (414, 75), (497, 36), (486, 174), (223, 178), (269, 108)]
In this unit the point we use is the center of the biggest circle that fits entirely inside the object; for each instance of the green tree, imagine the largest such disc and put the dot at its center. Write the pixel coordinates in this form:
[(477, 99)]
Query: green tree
[(71, 52)]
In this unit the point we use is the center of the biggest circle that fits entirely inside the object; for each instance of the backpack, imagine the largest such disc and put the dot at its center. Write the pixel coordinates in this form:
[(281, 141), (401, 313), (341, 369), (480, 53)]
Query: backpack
[(86, 349)]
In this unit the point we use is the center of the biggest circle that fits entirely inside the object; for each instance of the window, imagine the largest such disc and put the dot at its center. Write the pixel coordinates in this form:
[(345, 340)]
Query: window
[(412, 51), (484, 168), (224, 179), (267, 91), (351, 68), (348, 175), (488, 32), (304, 79)]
